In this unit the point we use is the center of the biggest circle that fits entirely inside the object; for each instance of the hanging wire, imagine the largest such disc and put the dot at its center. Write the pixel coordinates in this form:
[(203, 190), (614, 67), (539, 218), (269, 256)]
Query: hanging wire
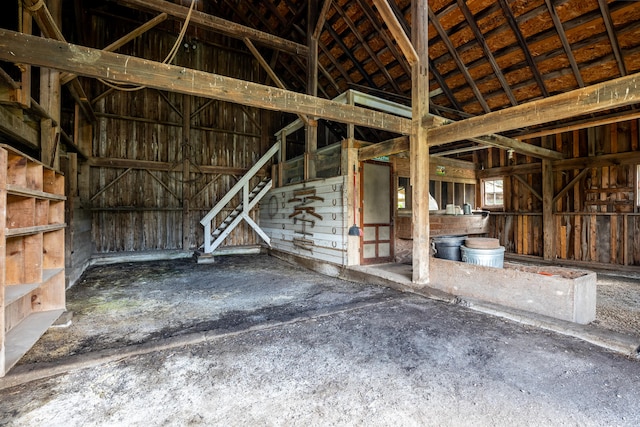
[(169, 59)]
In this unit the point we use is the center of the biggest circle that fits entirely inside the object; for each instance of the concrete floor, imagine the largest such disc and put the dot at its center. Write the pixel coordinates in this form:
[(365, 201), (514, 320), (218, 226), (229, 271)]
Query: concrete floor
[(256, 341)]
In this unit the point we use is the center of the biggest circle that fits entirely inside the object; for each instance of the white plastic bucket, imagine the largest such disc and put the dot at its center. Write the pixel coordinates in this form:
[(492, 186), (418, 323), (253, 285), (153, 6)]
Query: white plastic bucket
[(484, 257)]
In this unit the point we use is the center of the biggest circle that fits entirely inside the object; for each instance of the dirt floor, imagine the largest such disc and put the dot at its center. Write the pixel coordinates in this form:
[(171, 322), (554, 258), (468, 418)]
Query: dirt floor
[(255, 341)]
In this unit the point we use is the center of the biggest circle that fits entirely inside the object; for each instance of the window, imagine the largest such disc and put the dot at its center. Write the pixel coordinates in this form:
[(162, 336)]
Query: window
[(492, 193), (404, 194)]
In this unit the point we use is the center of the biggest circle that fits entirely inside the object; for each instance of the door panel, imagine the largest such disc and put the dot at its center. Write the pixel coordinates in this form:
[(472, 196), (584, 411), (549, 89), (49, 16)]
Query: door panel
[(376, 214)]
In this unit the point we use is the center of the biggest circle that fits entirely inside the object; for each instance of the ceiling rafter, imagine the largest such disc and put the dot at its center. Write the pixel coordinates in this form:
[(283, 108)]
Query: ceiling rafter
[(335, 62), (523, 45), (565, 43), (434, 72), (347, 52), (615, 46), (366, 46), (487, 51), (461, 65)]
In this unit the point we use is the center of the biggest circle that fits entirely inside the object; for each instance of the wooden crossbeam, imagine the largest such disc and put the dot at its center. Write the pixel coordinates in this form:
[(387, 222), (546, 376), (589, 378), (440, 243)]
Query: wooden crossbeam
[(67, 77), (213, 23), (607, 95), (570, 185), (270, 72), (365, 45), (462, 5), (565, 42), (386, 148), (528, 187), (396, 30), (17, 47), (433, 20), (522, 42), (613, 39), (49, 29)]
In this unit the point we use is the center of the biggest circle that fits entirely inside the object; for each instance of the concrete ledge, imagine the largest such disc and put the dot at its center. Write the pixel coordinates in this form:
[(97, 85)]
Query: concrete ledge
[(117, 257), (620, 343), (566, 294)]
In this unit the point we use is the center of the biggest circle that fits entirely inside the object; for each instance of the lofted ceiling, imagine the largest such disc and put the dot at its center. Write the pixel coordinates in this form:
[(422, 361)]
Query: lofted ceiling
[(485, 55)]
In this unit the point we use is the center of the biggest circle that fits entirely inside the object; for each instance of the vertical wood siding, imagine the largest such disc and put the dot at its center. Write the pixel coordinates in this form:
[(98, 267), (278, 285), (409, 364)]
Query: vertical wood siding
[(597, 219), (142, 208)]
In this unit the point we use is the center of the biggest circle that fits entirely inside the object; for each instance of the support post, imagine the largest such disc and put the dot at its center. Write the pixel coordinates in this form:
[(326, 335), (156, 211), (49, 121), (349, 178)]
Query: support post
[(186, 189), (311, 142), (419, 148), (549, 242), (50, 100)]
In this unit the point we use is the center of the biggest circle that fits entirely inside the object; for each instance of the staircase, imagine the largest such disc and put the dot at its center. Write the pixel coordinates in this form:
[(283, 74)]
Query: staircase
[(250, 198)]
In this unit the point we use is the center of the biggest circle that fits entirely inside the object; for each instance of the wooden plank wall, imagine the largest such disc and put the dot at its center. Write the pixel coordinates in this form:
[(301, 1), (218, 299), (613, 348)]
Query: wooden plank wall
[(326, 238), (138, 204), (596, 219)]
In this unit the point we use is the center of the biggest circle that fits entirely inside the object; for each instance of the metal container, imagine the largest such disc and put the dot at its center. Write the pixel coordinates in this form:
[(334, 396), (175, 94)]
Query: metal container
[(484, 257), (448, 247)]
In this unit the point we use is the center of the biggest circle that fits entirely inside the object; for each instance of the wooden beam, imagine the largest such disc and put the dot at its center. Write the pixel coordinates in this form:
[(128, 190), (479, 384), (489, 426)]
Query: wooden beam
[(583, 124), (374, 56), (272, 74), (50, 29), (187, 233), (506, 143), (67, 77), (458, 60), (16, 128), (522, 42), (419, 155), (321, 19), (385, 148), (592, 99), (565, 43), (106, 162), (209, 22), (548, 228), (570, 185), (17, 47), (613, 38), (528, 187), (396, 30), (488, 54)]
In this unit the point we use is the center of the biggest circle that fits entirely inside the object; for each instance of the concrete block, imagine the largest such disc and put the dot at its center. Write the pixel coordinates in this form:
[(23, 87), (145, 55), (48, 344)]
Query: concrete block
[(561, 293)]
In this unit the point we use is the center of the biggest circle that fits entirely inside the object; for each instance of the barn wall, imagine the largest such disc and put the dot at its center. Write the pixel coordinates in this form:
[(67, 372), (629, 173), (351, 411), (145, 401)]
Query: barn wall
[(319, 233), (596, 219), (137, 185)]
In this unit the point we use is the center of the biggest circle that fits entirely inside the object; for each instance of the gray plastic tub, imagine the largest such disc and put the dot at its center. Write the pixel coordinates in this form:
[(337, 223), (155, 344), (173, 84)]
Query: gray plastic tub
[(448, 247)]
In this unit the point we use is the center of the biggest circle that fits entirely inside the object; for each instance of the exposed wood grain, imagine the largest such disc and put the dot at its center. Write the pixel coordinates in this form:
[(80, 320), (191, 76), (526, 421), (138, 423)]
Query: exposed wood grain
[(419, 139), (592, 99), (397, 31), (126, 69), (220, 25)]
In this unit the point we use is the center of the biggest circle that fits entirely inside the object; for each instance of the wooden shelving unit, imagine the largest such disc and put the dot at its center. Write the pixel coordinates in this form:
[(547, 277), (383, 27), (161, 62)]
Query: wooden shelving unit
[(32, 287)]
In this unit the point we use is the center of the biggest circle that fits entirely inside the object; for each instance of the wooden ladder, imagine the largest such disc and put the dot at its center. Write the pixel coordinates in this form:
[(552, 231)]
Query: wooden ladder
[(250, 199)]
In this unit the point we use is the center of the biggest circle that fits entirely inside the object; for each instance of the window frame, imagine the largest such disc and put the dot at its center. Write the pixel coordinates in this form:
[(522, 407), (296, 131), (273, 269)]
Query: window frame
[(483, 185)]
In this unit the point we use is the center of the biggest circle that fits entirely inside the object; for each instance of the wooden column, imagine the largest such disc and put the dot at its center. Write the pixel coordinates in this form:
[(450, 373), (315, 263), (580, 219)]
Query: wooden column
[(186, 188), (351, 129), (69, 166), (419, 149), (549, 242), (311, 142), (83, 137), (25, 81), (50, 100)]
